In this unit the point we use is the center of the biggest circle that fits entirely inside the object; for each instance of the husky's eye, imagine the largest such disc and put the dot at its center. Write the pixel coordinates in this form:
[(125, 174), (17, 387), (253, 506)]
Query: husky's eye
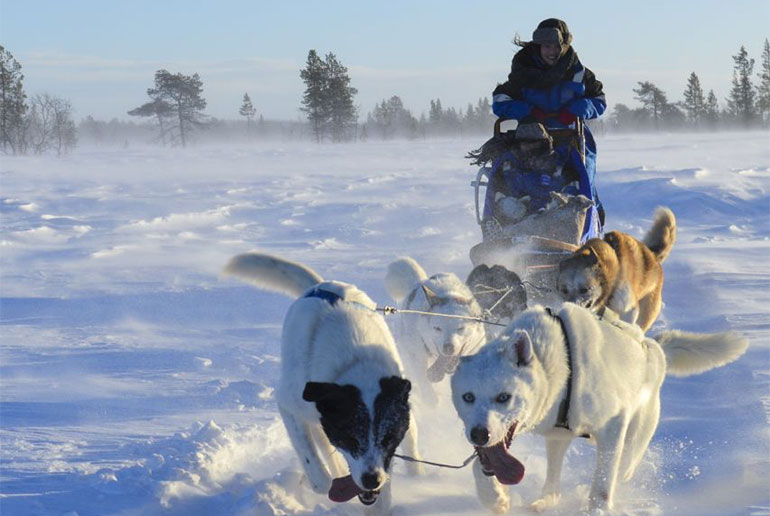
[(583, 290), (438, 329), (503, 397), (468, 397)]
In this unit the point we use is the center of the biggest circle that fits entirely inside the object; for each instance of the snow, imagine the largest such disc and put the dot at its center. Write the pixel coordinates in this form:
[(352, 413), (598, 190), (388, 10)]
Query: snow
[(135, 380)]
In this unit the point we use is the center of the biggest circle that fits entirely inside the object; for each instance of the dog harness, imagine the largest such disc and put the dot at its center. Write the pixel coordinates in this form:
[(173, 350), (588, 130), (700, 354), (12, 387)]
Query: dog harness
[(562, 419), (333, 298)]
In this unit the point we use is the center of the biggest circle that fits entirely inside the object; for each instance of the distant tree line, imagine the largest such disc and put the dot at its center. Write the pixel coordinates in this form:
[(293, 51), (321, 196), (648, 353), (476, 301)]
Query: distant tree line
[(175, 111), (747, 105)]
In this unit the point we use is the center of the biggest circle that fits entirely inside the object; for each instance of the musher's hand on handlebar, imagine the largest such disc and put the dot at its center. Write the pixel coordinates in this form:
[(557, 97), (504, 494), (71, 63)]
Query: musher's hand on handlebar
[(538, 113), (565, 116)]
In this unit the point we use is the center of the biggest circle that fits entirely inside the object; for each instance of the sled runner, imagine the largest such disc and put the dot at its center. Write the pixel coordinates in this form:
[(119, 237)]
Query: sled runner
[(535, 200)]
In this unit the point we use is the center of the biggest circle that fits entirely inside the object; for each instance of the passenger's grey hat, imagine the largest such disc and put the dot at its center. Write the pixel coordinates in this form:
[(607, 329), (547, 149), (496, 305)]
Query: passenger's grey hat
[(532, 132)]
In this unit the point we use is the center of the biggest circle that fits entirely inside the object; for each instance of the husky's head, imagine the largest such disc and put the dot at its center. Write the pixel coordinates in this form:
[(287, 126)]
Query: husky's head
[(448, 336), (581, 279), (365, 428), (502, 388)]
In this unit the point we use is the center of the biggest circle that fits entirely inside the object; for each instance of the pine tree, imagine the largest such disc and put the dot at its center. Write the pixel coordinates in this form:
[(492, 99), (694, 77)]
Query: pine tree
[(711, 109), (436, 113), (163, 113), (314, 99), (741, 102), (248, 110), (763, 89), (12, 104), (178, 95), (693, 100), (342, 112), (653, 100)]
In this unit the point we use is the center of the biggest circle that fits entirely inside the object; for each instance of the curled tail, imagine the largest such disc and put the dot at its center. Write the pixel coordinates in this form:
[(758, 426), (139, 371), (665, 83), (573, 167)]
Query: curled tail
[(662, 235), (694, 353), (403, 276), (272, 273)]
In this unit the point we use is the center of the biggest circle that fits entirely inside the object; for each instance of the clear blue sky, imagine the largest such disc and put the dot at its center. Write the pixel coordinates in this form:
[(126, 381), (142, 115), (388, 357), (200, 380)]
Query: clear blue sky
[(102, 55)]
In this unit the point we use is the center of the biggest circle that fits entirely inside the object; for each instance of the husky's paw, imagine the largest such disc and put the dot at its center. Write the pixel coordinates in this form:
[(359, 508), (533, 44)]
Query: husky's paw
[(546, 502), (501, 505)]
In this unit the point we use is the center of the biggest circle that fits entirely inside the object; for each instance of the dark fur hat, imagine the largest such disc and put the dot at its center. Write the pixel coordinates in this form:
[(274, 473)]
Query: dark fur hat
[(552, 30)]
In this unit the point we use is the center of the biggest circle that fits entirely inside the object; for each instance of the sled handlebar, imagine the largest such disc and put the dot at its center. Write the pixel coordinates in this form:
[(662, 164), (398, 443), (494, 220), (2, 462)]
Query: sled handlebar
[(553, 132)]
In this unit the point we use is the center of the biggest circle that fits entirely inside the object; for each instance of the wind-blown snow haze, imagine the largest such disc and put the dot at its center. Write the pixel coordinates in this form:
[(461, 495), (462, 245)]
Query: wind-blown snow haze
[(136, 380)]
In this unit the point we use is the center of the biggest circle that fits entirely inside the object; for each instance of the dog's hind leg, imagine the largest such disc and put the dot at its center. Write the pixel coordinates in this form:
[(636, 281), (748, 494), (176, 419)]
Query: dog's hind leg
[(638, 437), (649, 308), (555, 447), (492, 494), (609, 448), (304, 445)]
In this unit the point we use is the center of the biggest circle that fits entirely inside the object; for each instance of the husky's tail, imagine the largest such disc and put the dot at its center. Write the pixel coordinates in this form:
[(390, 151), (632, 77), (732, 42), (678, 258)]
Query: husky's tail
[(662, 235), (403, 276), (272, 273), (693, 353)]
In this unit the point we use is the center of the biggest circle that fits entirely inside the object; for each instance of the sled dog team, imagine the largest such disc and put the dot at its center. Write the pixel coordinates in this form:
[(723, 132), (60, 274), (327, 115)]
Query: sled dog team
[(582, 369)]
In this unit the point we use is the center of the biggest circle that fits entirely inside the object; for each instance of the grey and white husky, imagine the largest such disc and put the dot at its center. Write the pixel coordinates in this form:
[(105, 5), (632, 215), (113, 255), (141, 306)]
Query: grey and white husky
[(432, 344)]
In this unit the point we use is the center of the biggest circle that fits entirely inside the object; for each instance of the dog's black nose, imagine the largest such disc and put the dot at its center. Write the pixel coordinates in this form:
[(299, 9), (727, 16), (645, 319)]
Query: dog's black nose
[(479, 435), (371, 480)]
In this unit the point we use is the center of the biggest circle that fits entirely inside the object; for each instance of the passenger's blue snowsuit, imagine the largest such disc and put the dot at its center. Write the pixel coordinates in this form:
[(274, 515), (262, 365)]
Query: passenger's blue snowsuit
[(565, 85)]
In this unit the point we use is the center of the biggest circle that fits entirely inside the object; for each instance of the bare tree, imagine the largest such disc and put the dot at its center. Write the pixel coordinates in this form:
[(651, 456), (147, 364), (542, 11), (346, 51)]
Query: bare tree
[(51, 126)]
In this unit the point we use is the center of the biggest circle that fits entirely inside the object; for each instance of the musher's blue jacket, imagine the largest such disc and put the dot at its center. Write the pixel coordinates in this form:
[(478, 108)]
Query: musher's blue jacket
[(531, 83)]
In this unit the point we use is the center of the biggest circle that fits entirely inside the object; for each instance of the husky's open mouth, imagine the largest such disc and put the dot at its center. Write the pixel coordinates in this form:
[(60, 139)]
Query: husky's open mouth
[(495, 460), (444, 365), (344, 489)]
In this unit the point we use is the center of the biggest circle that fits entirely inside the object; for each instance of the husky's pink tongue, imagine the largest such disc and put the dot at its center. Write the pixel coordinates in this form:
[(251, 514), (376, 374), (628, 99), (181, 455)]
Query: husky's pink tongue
[(344, 489), (496, 459)]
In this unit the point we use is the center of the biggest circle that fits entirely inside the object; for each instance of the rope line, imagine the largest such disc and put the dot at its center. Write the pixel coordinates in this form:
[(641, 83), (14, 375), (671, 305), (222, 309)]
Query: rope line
[(438, 464), (388, 310)]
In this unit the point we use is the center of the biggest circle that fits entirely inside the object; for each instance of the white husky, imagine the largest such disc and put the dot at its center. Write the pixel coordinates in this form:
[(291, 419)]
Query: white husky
[(568, 375), (341, 387), (431, 344)]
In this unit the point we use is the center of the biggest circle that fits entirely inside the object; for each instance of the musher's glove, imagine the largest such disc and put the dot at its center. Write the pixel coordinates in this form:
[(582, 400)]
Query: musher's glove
[(538, 113), (565, 116)]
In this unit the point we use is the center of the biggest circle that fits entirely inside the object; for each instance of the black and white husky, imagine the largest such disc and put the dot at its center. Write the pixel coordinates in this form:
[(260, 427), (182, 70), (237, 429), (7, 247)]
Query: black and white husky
[(342, 388), (573, 374)]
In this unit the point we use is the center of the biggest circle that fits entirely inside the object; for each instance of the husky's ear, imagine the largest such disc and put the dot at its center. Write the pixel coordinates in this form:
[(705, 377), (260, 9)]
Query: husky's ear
[(430, 296), (317, 391), (520, 350), (588, 255), (395, 386)]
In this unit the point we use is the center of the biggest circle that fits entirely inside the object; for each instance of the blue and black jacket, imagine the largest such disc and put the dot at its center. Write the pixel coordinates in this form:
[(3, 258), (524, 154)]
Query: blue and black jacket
[(532, 83)]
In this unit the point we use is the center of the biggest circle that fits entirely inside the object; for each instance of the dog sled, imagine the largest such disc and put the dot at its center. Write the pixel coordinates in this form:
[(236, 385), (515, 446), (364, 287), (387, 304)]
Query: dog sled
[(535, 204)]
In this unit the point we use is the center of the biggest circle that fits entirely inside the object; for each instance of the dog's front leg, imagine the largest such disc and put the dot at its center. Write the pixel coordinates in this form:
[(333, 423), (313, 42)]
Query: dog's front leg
[(492, 494), (382, 507), (555, 447), (304, 445), (609, 449), (409, 444)]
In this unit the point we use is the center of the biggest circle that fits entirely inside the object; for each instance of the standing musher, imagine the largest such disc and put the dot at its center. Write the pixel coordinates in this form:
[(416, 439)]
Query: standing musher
[(548, 84)]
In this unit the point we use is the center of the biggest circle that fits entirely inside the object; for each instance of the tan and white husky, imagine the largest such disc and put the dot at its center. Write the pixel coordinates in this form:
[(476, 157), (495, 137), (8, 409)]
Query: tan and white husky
[(620, 272)]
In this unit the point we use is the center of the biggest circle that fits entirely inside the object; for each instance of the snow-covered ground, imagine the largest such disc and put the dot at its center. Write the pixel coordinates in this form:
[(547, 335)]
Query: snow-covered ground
[(134, 380)]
